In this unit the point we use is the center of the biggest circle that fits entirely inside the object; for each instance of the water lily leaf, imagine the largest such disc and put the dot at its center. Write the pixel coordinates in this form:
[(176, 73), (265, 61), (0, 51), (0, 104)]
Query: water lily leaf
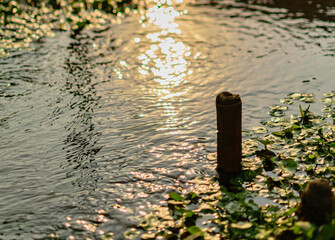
[(327, 101), (194, 229), (288, 133), (273, 208), (195, 236), (319, 140), (149, 222), (279, 134), (174, 202), (175, 196), (233, 207), (277, 110), (260, 130), (287, 101), (131, 233), (180, 210), (268, 164), (208, 210), (290, 164), (271, 183), (308, 99), (241, 225), (265, 154), (295, 95), (327, 232), (310, 170), (229, 196), (276, 113), (265, 142), (327, 110), (249, 175), (236, 180), (298, 187), (108, 236), (296, 127), (263, 234), (305, 227), (189, 214), (191, 219), (191, 196), (148, 236), (329, 95), (311, 158)]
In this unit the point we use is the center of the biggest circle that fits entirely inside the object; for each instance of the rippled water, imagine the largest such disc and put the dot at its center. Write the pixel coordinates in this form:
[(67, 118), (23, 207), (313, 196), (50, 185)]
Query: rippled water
[(96, 128)]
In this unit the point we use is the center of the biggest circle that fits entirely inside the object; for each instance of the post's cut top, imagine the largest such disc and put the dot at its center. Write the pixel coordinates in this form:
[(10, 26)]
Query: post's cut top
[(227, 98)]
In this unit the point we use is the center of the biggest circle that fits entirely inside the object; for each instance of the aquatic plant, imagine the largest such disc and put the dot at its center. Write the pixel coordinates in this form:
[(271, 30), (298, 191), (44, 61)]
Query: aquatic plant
[(262, 202)]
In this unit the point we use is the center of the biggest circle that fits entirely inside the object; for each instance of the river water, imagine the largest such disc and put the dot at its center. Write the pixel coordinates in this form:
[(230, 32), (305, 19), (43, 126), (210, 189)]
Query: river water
[(96, 129)]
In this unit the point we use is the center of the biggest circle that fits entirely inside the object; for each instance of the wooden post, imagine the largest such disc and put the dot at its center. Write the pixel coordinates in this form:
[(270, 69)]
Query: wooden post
[(229, 136)]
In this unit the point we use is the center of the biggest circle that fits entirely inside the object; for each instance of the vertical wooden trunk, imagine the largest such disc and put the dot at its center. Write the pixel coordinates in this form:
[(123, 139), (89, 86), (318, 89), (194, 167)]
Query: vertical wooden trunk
[(229, 135)]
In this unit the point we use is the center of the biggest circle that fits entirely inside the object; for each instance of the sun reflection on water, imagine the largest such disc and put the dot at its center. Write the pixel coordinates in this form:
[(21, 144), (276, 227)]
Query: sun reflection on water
[(165, 61), (163, 72)]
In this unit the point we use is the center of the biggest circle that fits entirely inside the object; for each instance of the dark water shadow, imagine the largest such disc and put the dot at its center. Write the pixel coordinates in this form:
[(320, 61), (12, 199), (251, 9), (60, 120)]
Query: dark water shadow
[(313, 9), (81, 142)]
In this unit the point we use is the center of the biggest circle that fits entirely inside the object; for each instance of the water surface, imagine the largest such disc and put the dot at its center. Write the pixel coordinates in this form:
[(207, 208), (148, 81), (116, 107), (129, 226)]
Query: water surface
[(97, 128)]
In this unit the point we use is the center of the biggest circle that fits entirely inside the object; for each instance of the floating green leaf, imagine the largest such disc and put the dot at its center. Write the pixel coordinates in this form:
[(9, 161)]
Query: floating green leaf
[(295, 95), (194, 229), (260, 130), (175, 196), (290, 164), (109, 236), (241, 225), (131, 233), (326, 232)]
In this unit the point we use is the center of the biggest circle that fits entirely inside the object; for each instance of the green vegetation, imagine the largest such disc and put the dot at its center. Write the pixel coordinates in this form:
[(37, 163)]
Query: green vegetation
[(277, 167), (29, 20), (9, 7)]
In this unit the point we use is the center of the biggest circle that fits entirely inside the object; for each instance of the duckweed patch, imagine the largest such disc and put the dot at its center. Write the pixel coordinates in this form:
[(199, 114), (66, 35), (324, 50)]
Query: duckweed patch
[(262, 201)]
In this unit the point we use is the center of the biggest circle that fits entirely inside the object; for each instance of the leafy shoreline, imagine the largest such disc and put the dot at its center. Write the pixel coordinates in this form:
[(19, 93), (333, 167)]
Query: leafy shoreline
[(23, 22), (277, 166)]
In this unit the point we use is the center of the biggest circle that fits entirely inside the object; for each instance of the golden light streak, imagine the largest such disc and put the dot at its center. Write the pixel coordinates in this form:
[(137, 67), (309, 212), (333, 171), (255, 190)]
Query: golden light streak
[(165, 62)]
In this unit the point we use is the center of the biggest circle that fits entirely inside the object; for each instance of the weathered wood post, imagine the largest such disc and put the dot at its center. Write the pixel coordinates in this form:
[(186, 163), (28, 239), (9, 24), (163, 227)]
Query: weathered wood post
[(229, 135)]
